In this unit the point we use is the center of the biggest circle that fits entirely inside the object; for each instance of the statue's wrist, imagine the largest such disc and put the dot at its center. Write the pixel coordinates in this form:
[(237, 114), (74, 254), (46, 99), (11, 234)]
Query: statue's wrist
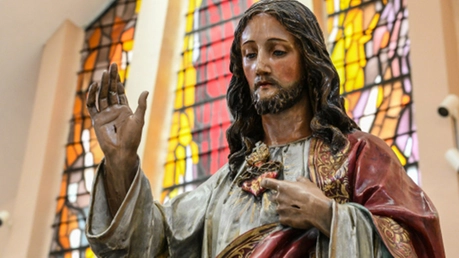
[(326, 217), (126, 164)]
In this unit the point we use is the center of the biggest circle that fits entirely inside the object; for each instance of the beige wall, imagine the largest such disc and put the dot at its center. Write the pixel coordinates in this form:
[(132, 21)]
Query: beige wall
[(33, 211), (168, 46), (434, 72)]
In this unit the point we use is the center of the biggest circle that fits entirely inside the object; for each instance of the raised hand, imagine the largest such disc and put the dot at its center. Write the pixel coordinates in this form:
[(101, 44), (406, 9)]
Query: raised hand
[(118, 131), (301, 204)]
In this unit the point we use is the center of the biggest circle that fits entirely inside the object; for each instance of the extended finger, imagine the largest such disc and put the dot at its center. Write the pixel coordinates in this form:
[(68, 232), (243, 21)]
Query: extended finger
[(103, 91), (140, 111), (113, 84), (91, 99), (121, 94), (270, 183)]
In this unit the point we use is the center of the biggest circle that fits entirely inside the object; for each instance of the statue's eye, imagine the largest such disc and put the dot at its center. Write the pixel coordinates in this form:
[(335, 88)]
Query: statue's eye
[(250, 55), (279, 52)]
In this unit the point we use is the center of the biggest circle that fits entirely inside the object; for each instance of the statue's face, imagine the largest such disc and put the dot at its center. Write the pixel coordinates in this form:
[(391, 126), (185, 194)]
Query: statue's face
[(271, 63)]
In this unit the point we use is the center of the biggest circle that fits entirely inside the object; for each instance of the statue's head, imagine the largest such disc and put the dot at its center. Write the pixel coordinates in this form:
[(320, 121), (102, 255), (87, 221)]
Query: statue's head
[(319, 81)]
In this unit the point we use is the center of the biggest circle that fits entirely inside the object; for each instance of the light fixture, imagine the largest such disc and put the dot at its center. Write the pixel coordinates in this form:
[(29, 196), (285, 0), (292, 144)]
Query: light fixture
[(4, 218), (450, 107)]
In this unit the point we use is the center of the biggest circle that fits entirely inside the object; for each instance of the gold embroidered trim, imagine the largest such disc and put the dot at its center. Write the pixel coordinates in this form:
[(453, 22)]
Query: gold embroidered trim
[(396, 238), (329, 171), (244, 245)]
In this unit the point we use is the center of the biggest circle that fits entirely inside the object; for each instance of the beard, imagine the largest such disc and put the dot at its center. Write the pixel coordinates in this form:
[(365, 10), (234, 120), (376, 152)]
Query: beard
[(285, 98)]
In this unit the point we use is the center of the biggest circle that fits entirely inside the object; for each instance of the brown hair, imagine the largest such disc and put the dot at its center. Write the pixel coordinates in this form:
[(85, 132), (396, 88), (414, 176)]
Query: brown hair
[(330, 121)]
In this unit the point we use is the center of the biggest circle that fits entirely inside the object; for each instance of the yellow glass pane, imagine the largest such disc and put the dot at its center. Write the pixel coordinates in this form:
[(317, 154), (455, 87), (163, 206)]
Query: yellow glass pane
[(351, 16), (180, 164), (338, 53), (342, 78), (168, 180), (128, 45), (359, 79), (352, 53), (173, 193), (355, 3), (194, 152), (180, 80), (178, 99), (89, 253), (138, 5), (190, 114), (348, 31), (344, 4), (175, 125), (329, 25), (351, 70), (185, 131), (190, 77), (380, 96), (189, 96), (342, 16), (406, 100), (330, 6), (399, 155), (190, 17), (128, 70)]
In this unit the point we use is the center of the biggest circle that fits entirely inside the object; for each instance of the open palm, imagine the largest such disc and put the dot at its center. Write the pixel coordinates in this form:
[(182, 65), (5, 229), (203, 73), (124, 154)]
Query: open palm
[(117, 128)]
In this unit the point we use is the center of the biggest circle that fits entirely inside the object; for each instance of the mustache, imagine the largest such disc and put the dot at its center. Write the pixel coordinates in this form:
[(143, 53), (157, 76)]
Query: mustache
[(265, 80)]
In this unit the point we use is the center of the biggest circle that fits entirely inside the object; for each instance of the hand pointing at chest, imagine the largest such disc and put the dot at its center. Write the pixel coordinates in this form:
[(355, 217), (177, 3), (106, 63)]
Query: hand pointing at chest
[(301, 204)]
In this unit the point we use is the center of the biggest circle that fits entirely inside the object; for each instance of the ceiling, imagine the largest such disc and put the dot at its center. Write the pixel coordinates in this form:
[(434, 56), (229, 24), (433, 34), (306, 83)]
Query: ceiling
[(26, 25)]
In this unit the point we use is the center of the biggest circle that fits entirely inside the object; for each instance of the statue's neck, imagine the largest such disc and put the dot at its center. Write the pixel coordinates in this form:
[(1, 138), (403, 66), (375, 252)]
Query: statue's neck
[(288, 126)]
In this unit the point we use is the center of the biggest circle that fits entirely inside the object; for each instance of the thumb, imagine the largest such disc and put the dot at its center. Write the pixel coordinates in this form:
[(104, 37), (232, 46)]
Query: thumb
[(140, 111)]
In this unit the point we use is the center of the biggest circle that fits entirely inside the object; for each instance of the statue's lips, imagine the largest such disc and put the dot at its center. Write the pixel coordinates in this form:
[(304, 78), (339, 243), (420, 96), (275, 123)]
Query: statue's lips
[(264, 85)]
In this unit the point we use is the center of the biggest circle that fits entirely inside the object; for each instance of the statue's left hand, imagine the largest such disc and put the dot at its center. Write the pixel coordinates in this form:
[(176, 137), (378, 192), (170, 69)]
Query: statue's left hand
[(118, 131), (301, 204)]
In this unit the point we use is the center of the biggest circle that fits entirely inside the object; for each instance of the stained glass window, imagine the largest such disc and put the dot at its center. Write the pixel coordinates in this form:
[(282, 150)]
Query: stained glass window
[(109, 39), (370, 48), (369, 45), (197, 144)]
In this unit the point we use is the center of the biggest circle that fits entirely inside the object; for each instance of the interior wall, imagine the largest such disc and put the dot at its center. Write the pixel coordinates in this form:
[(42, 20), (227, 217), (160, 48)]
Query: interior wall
[(32, 217), (162, 97), (454, 7), (434, 73)]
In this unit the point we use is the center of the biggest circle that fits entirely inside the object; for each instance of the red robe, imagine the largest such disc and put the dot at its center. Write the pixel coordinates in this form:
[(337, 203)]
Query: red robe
[(366, 172)]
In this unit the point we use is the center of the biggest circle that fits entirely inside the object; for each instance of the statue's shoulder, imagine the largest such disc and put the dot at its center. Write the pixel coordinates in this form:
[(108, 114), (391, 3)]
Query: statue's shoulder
[(358, 136)]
